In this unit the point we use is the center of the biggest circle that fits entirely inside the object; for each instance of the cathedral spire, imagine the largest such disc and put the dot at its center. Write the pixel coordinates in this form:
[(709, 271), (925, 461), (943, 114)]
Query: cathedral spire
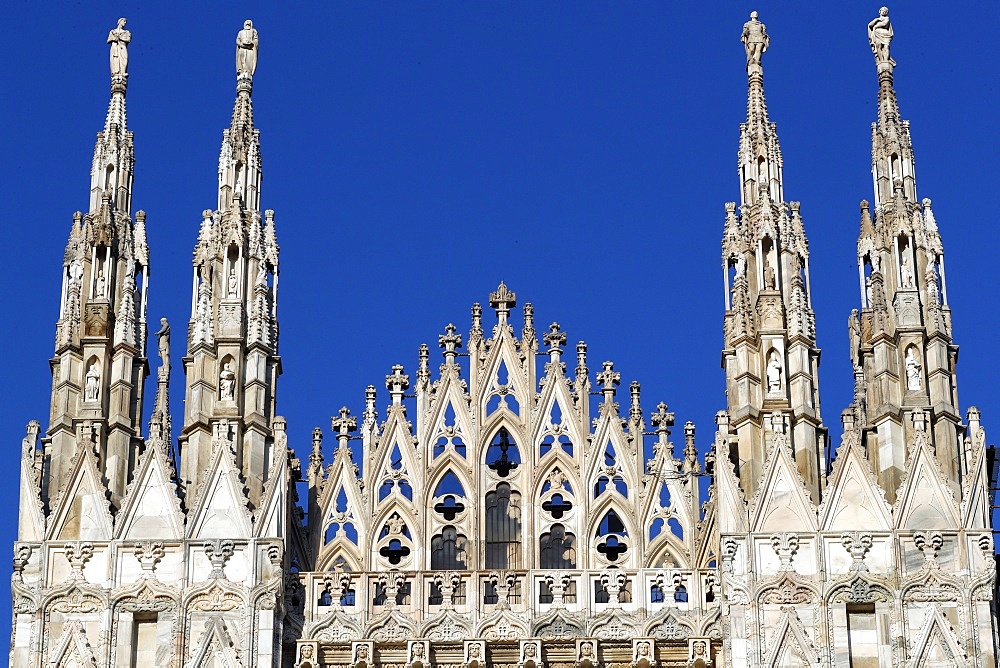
[(902, 342), (771, 358), (101, 333), (232, 365)]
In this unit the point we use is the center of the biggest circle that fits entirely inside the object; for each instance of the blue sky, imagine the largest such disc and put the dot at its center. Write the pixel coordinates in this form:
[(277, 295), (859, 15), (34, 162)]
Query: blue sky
[(417, 153)]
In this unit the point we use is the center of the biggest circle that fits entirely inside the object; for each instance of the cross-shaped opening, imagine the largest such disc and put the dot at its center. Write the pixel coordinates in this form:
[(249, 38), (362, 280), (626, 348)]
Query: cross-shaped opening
[(557, 506), (394, 551), (449, 508), (612, 548), (503, 456)]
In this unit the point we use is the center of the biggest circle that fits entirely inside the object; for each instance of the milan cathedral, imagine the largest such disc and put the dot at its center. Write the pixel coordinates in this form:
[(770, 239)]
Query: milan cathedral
[(500, 516)]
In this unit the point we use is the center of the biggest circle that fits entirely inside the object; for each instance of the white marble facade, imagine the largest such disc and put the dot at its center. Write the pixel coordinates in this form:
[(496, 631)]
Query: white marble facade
[(491, 512)]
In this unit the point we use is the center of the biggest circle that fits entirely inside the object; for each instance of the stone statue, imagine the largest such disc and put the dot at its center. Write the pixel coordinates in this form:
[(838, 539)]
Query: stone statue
[(876, 262), (912, 370), (530, 651), (227, 382), (232, 282), (418, 651), (119, 39), (906, 273), (868, 291), (586, 649), (854, 328), (474, 651), (163, 343), (362, 653), (879, 36), (741, 267), (395, 525), (770, 280), (92, 389), (101, 284), (246, 49), (642, 650), (773, 373), (755, 40)]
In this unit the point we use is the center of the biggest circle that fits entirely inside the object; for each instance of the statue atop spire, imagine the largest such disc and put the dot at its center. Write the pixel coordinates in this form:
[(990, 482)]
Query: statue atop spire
[(880, 36), (119, 38), (756, 40), (246, 49)]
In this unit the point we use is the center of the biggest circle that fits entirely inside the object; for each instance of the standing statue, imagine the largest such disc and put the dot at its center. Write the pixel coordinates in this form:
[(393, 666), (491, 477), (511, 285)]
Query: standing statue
[(879, 36), (773, 373), (755, 40), (906, 273), (912, 370), (770, 280), (854, 327), (163, 343), (227, 382), (92, 389), (232, 282), (119, 39), (246, 49), (101, 284)]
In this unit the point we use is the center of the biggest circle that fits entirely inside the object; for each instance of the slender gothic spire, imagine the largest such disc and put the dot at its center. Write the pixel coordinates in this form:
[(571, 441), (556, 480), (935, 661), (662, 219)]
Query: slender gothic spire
[(232, 365), (771, 359), (102, 320), (902, 341)]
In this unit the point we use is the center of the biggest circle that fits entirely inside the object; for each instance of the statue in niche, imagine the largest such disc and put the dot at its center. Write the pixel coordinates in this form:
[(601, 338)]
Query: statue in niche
[(868, 291), (227, 382), (417, 652), (362, 653), (163, 343), (876, 262), (119, 39), (854, 328), (770, 280), (75, 272), (246, 49), (557, 478), (741, 267), (100, 285), (906, 273), (92, 388), (755, 40), (773, 373), (879, 36), (642, 650), (232, 282), (912, 370)]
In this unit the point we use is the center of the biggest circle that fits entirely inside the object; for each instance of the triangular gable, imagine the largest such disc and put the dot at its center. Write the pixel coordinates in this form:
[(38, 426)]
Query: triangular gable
[(82, 510), (503, 352), (925, 502), (221, 509), (450, 394), (731, 506), (780, 503), (609, 431), (853, 498), (557, 391), (216, 649), (270, 518), (32, 521), (73, 650), (975, 505), (791, 640), (395, 433), (937, 645), (151, 508)]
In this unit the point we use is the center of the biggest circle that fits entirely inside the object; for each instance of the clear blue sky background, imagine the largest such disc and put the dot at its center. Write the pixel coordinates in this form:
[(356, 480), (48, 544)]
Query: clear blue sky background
[(417, 153)]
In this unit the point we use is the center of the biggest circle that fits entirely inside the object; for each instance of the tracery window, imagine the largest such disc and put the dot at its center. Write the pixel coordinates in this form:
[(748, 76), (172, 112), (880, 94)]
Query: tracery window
[(557, 548), (503, 528), (448, 550)]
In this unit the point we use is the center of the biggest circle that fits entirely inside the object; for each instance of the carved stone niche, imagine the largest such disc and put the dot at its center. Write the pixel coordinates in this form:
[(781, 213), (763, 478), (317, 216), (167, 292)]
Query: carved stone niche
[(475, 654), (230, 319), (95, 319), (307, 655), (362, 655), (586, 653), (699, 653), (531, 654), (643, 653), (907, 307), (418, 654)]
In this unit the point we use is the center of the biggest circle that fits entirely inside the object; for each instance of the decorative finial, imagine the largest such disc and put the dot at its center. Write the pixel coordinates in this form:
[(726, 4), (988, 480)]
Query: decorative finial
[(879, 36), (119, 38), (246, 50), (755, 39)]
